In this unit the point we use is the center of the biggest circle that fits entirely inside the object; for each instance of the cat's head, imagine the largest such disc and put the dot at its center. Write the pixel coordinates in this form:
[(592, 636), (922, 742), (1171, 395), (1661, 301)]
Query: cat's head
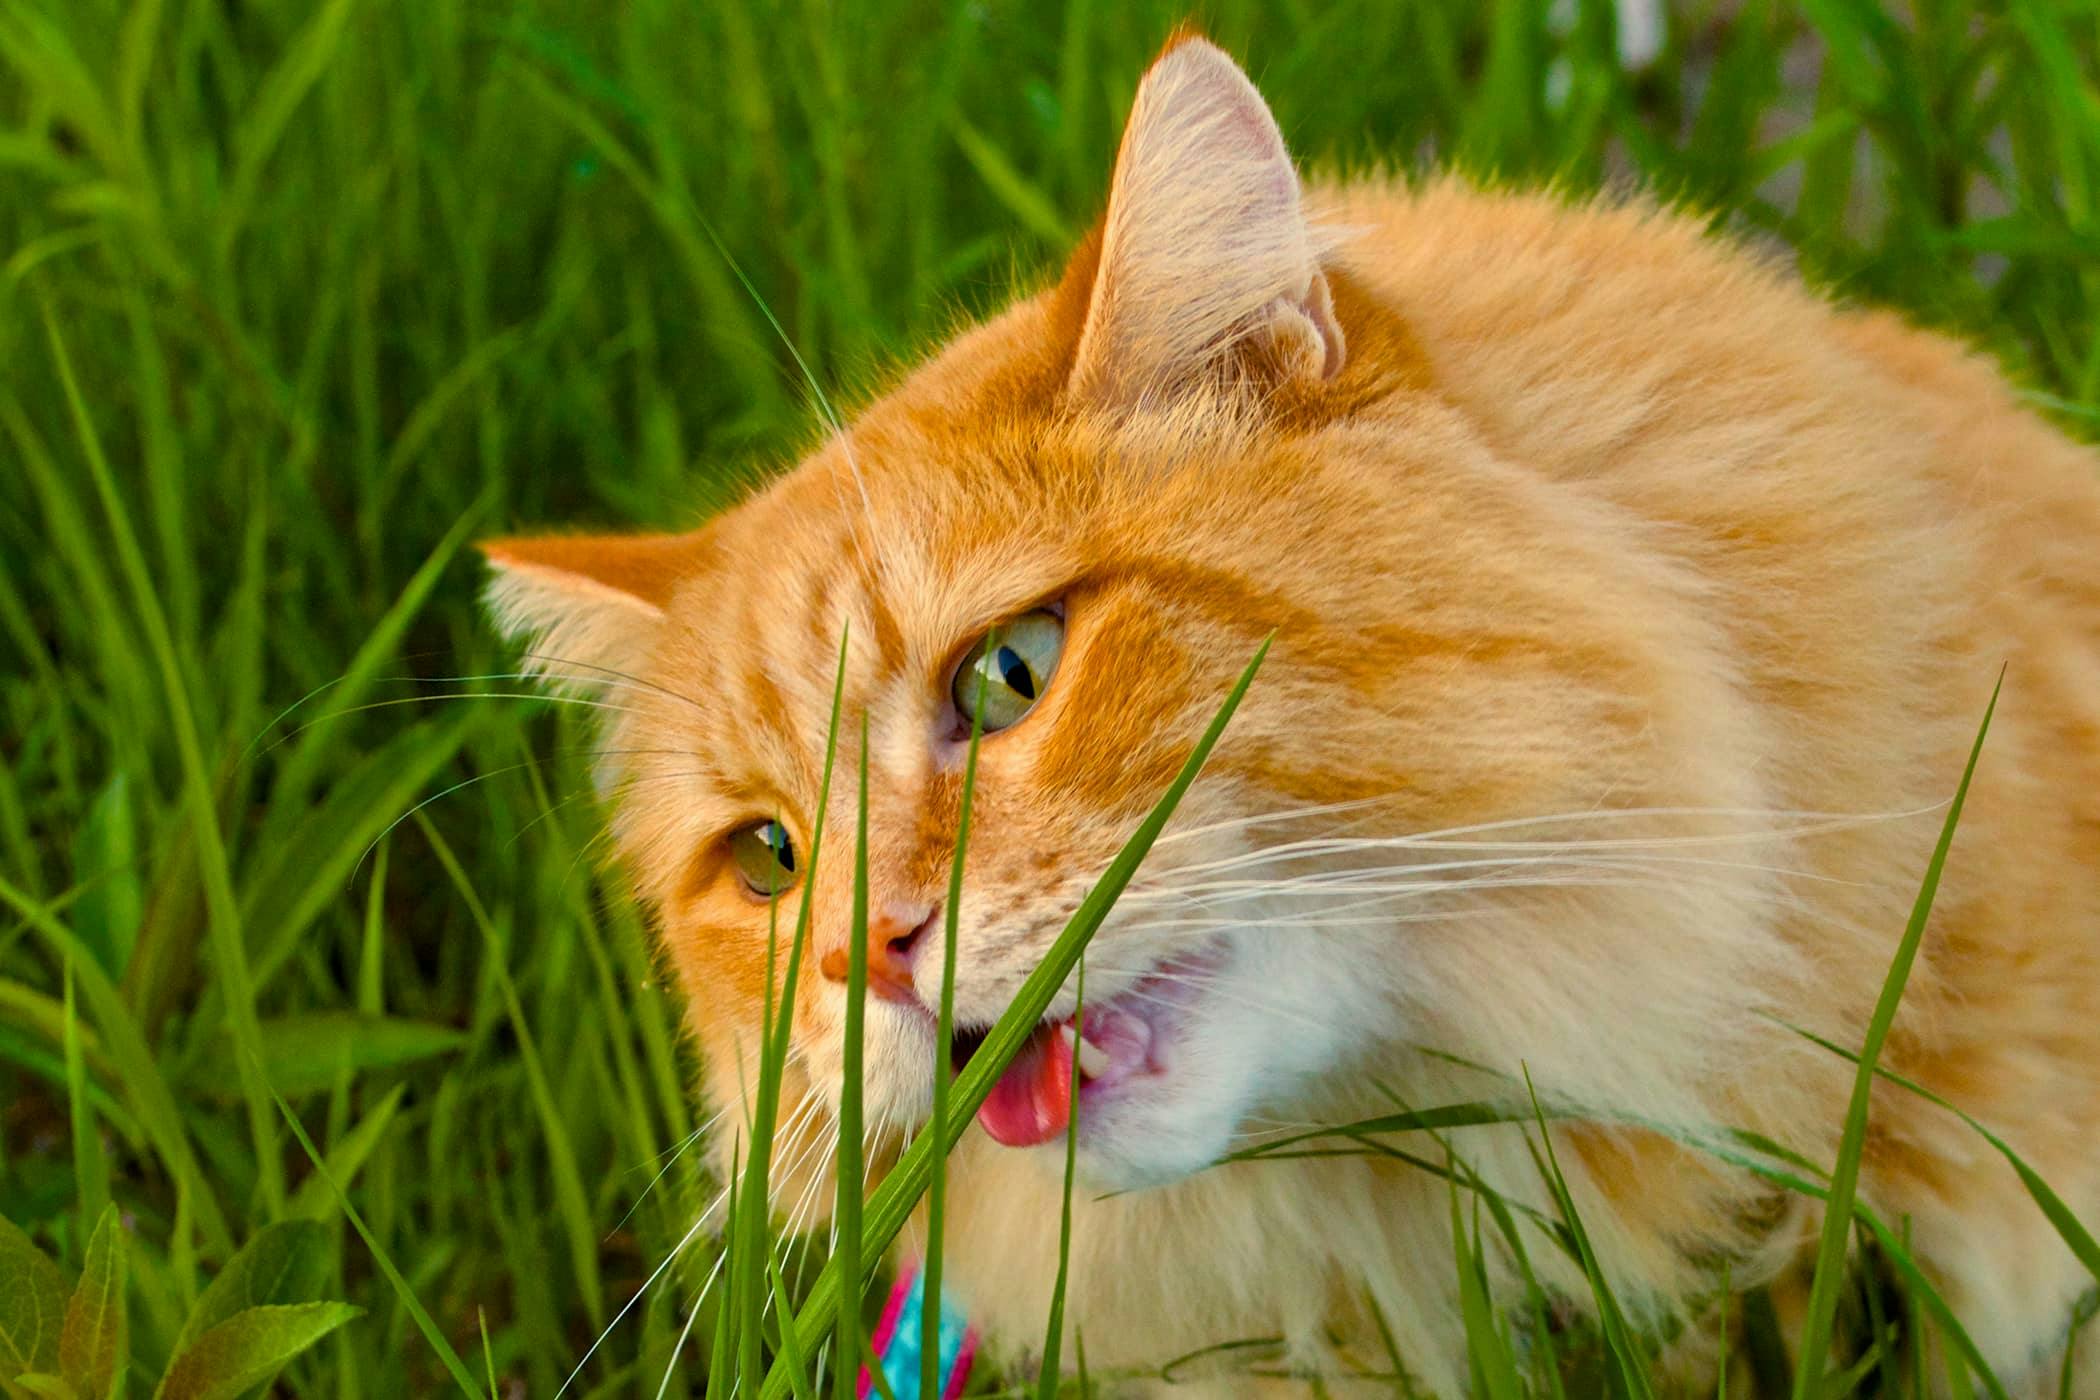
[(1090, 512)]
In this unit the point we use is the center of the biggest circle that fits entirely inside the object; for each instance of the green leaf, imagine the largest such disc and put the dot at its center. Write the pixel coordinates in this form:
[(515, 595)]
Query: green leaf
[(249, 1348), (32, 1304), (2062, 1218), (91, 1346), (306, 1052), (311, 860), (402, 1289), (284, 1263), (106, 866), (1628, 1358), (45, 1384), (313, 1200), (1828, 1279), (133, 1060), (1494, 1365)]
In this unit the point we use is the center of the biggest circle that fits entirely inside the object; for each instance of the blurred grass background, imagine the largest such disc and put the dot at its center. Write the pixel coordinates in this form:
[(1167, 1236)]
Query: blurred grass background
[(296, 299)]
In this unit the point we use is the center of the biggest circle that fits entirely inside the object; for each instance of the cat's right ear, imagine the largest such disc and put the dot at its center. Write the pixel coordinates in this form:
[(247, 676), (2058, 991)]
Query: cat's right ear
[(588, 607)]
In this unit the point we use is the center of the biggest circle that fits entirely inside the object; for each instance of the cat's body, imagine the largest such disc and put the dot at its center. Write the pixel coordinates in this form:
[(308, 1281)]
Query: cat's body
[(1634, 611)]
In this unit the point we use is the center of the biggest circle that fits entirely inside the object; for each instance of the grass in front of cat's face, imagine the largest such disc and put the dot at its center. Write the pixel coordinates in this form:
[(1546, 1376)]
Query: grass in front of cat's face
[(342, 284), (1884, 1347)]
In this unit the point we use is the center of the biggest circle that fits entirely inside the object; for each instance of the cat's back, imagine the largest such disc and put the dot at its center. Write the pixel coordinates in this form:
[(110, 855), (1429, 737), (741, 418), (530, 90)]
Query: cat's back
[(1581, 335), (1827, 462), (1873, 524)]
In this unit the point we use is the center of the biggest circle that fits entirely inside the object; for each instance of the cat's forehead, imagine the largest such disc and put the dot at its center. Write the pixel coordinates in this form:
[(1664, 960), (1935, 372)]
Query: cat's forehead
[(964, 496), (898, 549)]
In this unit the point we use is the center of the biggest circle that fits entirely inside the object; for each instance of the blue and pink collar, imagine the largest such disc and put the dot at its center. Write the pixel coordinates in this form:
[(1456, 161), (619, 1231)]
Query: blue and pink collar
[(899, 1340)]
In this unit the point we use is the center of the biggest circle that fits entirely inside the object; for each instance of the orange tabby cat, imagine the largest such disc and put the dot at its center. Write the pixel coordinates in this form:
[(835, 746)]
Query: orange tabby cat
[(1633, 611)]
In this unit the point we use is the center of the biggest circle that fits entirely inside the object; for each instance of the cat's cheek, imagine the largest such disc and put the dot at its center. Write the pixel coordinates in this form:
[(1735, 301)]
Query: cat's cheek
[(897, 1058)]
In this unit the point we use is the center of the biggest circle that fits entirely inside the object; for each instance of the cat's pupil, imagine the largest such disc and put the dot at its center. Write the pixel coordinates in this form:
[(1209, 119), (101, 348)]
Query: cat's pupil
[(1007, 671), (1014, 671), (775, 835)]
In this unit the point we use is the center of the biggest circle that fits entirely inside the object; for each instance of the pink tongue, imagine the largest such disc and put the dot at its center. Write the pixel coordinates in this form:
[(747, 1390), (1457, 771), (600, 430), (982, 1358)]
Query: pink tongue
[(1032, 1101)]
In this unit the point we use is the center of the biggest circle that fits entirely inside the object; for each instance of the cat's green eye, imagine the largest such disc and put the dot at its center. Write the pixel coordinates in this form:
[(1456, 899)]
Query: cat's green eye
[(765, 857), (1010, 669)]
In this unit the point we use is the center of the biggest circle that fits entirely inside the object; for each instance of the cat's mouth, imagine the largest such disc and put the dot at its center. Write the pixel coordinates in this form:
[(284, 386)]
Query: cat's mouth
[(1116, 1043)]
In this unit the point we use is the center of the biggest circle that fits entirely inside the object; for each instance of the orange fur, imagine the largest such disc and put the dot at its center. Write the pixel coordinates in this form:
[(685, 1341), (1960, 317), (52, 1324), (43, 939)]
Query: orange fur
[(1563, 516)]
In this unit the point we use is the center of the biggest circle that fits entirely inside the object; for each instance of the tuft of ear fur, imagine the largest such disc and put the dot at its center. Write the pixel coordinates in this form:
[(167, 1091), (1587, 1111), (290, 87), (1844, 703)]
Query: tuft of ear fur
[(588, 606), (1206, 250)]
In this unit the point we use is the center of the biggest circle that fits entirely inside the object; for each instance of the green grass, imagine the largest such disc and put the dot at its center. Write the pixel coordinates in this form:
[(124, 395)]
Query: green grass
[(297, 298)]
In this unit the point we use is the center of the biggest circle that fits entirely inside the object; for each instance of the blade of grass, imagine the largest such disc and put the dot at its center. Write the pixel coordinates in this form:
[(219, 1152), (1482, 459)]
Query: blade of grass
[(899, 1193), (229, 951), (129, 1052), (573, 1203), (1920, 1288), (846, 1212), (1054, 1328), (750, 1249), (348, 689), (2073, 1232), (1630, 1366), (409, 1301), (90, 1167), (347, 1156), (1828, 1277), (721, 1357), (878, 1378), (1494, 1368), (944, 1062), (790, 1344), (1427, 1120)]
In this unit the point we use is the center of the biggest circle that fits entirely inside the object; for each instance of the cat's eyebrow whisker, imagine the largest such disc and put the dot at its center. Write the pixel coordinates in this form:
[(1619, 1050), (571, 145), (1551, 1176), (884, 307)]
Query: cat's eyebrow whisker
[(825, 409), (608, 675), (401, 700), (463, 784), (288, 711)]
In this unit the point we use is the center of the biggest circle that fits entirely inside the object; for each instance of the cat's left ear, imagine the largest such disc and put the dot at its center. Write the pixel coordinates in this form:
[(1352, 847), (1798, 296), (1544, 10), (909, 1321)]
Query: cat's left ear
[(589, 607), (1206, 252)]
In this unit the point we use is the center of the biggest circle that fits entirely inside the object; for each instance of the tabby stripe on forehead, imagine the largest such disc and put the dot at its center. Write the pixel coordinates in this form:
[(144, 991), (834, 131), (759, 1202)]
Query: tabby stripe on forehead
[(767, 707), (827, 616), (889, 635)]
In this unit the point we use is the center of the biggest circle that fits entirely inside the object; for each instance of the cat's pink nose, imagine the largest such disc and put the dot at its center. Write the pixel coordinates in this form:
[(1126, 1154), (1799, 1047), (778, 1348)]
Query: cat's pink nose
[(894, 935)]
